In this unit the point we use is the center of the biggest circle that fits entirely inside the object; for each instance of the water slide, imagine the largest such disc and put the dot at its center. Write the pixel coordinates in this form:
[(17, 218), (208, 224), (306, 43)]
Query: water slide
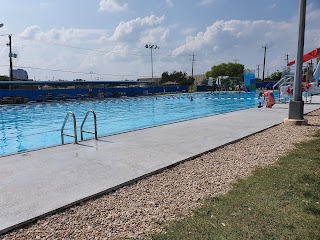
[(316, 74), (308, 56), (314, 89)]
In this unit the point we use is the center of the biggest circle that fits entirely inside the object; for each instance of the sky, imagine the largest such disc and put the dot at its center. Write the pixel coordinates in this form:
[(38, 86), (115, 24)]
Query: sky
[(106, 39)]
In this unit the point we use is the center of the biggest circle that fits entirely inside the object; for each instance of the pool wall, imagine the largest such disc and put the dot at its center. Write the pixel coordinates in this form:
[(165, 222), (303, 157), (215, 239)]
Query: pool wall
[(60, 94)]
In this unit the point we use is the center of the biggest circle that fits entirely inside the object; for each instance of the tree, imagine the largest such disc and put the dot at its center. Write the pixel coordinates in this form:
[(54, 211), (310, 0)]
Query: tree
[(208, 74), (187, 81), (224, 69), (205, 82), (276, 76), (165, 77), (4, 78), (179, 77)]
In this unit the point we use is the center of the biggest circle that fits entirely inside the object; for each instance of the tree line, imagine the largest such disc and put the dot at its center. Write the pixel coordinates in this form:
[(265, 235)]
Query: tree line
[(181, 78), (232, 70)]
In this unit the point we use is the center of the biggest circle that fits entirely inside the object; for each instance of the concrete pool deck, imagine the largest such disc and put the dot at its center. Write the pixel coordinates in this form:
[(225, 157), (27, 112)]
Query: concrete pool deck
[(36, 183)]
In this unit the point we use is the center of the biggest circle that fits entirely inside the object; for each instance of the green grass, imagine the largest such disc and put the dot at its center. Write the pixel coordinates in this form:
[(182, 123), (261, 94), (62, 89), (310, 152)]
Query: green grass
[(278, 202)]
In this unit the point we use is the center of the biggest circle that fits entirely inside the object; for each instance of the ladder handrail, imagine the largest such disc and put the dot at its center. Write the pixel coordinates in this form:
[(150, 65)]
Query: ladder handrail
[(95, 125), (74, 128), (285, 81), (277, 83), (282, 81)]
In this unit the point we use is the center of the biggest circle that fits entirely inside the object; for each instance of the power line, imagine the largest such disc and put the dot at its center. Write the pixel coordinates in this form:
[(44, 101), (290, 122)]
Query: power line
[(79, 48), (90, 49), (75, 72)]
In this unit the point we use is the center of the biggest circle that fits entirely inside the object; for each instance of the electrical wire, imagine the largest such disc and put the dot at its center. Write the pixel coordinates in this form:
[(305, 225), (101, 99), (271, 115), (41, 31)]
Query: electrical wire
[(75, 72), (80, 48), (94, 50), (86, 49)]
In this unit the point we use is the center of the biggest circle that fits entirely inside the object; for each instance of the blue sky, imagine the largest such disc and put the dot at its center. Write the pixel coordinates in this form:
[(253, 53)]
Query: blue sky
[(107, 37)]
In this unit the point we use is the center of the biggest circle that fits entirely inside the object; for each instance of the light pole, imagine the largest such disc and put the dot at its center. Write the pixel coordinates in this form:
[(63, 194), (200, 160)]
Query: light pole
[(151, 48), (264, 60), (10, 56), (296, 105), (1, 25)]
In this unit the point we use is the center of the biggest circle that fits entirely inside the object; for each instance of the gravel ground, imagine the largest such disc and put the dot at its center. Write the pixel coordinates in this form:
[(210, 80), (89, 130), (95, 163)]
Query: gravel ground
[(145, 207)]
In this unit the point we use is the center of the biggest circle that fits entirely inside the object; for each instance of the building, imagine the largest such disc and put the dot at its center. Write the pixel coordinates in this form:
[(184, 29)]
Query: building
[(170, 83), (20, 74), (198, 79), (156, 80)]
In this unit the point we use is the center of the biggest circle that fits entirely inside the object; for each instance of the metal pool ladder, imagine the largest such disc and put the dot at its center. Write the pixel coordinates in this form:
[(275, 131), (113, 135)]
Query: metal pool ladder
[(95, 125), (74, 128)]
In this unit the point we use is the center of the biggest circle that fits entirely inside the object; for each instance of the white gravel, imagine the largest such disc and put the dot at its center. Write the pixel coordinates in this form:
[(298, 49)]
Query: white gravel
[(145, 207)]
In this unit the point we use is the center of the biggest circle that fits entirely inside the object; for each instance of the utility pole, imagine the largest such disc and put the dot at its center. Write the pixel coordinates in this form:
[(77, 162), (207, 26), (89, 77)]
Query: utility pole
[(258, 68), (296, 105), (193, 60), (10, 56), (287, 58), (264, 60), (287, 62)]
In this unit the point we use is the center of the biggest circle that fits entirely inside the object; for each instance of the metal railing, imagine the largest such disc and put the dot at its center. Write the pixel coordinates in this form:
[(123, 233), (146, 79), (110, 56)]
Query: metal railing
[(281, 83), (74, 128), (95, 125)]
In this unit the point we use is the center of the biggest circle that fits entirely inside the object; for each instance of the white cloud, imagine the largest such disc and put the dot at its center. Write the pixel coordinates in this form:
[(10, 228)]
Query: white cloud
[(45, 4), (30, 32), (206, 2), (60, 35), (312, 15), (157, 36), (126, 30), (273, 6), (113, 5), (118, 52), (169, 3), (69, 50), (188, 31), (224, 41), (122, 52)]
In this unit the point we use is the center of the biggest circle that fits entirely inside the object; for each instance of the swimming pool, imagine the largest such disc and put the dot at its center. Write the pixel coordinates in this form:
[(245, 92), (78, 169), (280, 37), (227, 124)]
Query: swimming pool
[(33, 126)]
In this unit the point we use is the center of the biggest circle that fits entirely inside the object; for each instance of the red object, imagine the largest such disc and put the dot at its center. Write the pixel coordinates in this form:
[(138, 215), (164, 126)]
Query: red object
[(310, 55), (270, 99)]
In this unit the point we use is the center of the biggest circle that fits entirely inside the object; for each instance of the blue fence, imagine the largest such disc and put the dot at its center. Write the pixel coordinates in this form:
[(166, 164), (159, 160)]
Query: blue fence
[(264, 84), (202, 88), (60, 94)]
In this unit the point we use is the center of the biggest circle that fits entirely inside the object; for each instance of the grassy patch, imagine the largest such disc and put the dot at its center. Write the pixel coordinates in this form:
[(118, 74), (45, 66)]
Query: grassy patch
[(278, 202)]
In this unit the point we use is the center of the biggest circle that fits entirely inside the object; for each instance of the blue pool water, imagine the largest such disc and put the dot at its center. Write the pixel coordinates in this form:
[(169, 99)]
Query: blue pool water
[(33, 126)]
